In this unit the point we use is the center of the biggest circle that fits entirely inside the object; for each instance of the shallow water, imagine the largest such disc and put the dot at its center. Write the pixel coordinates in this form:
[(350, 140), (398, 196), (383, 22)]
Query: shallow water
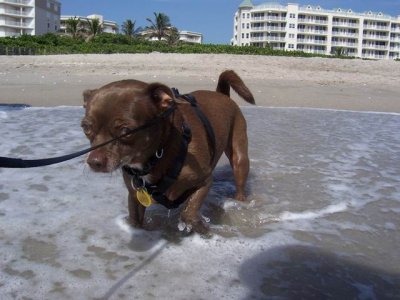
[(322, 220)]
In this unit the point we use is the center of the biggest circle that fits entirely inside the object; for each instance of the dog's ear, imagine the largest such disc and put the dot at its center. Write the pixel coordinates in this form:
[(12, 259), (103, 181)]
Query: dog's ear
[(87, 96), (161, 95)]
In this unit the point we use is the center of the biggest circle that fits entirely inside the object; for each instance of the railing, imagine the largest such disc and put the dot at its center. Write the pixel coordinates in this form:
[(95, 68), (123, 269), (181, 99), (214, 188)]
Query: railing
[(345, 24), (269, 28), (16, 12), (311, 41), (338, 33), (369, 26), (268, 18), (23, 2), (344, 44), (375, 37), (313, 21), (372, 46), (14, 24), (312, 31), (268, 38)]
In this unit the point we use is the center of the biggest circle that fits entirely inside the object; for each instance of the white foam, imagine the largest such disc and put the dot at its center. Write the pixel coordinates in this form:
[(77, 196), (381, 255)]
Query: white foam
[(331, 209)]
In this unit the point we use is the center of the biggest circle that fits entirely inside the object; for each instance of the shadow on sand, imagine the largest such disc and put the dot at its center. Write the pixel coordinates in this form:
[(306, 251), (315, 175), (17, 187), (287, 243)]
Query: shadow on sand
[(302, 272)]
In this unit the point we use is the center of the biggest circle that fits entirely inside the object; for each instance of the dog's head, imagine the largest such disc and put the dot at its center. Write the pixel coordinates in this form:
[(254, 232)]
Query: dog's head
[(115, 109)]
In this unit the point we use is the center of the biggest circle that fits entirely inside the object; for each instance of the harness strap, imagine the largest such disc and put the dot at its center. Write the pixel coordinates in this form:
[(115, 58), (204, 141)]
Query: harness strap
[(157, 191), (203, 118)]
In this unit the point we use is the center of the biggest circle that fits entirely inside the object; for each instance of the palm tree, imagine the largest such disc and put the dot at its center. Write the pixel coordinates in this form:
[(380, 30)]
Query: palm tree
[(128, 28), (173, 37), (95, 27), (159, 27), (74, 27)]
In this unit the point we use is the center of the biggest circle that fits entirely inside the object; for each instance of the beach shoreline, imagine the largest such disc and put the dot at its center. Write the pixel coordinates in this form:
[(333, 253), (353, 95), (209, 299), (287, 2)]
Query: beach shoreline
[(343, 84)]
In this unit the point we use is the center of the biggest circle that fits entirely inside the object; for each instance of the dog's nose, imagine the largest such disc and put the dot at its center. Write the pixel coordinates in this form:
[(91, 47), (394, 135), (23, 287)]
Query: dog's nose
[(97, 162)]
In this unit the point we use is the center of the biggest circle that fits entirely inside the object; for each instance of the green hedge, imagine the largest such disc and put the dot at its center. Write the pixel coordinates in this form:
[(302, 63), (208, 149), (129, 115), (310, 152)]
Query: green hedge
[(118, 43)]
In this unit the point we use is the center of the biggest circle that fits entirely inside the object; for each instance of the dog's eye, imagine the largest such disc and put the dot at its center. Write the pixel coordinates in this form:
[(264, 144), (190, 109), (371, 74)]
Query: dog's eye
[(125, 131)]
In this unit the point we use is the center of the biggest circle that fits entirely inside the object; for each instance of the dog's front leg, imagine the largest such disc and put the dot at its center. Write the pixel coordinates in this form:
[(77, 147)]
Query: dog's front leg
[(136, 210), (190, 215)]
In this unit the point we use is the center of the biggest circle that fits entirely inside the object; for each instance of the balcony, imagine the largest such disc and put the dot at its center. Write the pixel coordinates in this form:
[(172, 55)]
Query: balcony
[(15, 12), (375, 37), (312, 21), (14, 24), (311, 41), (375, 47), (312, 31), (376, 27), (267, 39), (269, 28), (345, 24), (344, 44), (268, 18), (343, 33), (18, 2), (395, 29)]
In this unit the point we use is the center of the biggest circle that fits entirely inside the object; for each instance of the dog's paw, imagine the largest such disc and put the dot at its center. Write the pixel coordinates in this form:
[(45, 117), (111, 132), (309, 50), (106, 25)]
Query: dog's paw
[(132, 222), (196, 226), (240, 197)]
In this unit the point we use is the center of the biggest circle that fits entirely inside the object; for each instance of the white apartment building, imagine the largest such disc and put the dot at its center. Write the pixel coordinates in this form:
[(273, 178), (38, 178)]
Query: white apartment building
[(184, 35), (34, 17), (108, 26), (190, 37), (313, 29)]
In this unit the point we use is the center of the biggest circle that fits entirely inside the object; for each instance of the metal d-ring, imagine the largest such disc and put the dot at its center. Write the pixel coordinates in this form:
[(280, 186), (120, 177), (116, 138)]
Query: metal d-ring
[(159, 155), (136, 188)]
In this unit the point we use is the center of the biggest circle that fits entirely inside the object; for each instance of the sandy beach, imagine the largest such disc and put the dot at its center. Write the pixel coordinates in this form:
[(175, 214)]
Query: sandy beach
[(275, 81)]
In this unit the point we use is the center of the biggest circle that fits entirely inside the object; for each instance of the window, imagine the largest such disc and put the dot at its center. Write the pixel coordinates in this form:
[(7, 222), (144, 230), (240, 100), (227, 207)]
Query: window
[(248, 25), (243, 15), (291, 36), (247, 35), (291, 46), (292, 16), (242, 35), (292, 25), (242, 25), (248, 16)]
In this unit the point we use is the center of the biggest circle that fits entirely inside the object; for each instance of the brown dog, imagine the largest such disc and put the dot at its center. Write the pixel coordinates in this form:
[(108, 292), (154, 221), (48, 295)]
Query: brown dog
[(158, 145)]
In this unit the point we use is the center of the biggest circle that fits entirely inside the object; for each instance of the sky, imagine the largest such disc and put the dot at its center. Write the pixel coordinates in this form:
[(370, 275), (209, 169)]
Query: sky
[(212, 18)]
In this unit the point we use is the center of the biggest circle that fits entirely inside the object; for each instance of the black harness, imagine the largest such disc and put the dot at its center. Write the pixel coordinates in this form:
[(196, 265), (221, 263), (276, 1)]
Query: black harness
[(157, 191)]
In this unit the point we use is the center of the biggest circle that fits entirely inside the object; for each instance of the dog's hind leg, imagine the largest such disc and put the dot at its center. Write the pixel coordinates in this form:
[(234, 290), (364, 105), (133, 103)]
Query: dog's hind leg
[(237, 153), (190, 214)]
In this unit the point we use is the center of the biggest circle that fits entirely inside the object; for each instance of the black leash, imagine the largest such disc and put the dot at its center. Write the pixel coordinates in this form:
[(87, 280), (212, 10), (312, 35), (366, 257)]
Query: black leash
[(8, 162)]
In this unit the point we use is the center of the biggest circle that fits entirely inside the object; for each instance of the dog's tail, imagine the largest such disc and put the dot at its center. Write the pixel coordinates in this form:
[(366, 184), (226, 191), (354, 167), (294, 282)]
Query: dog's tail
[(229, 79)]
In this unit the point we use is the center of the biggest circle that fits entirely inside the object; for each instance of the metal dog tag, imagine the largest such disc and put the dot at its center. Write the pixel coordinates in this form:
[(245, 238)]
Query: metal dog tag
[(144, 197)]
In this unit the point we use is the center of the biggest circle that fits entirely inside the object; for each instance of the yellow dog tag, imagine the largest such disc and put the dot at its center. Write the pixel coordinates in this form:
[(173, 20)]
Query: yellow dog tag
[(144, 197)]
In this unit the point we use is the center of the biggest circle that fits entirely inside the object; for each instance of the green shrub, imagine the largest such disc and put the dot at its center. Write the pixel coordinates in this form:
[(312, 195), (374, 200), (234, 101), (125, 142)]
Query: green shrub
[(117, 43)]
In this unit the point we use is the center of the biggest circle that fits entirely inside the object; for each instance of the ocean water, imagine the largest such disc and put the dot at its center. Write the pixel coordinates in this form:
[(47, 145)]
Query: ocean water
[(322, 220)]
